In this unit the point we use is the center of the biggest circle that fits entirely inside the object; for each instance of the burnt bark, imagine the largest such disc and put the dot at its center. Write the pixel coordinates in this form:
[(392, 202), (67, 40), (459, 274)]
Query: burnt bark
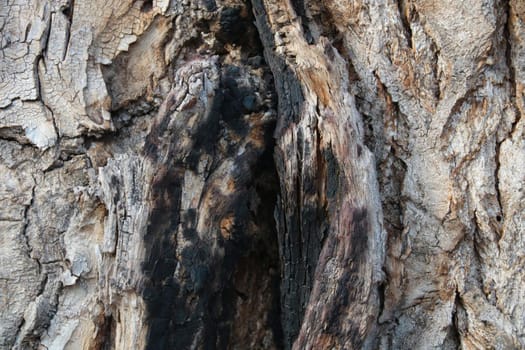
[(261, 174)]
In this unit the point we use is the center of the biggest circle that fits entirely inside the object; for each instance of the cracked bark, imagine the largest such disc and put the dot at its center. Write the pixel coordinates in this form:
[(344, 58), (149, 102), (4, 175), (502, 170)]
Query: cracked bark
[(265, 174)]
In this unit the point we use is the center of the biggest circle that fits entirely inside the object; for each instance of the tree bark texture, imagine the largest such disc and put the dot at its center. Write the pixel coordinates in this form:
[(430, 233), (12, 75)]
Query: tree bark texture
[(273, 174)]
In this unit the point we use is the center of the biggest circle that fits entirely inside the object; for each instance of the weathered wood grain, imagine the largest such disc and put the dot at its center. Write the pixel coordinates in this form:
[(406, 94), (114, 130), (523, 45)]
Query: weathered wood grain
[(267, 174)]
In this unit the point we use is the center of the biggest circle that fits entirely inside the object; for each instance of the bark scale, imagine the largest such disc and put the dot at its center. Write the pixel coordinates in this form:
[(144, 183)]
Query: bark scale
[(265, 174)]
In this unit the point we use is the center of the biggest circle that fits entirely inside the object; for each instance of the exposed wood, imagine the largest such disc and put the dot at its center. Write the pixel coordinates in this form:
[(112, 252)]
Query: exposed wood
[(269, 174)]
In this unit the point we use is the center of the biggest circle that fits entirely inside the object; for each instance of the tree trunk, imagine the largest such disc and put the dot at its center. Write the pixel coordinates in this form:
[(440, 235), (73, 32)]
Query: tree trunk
[(262, 175)]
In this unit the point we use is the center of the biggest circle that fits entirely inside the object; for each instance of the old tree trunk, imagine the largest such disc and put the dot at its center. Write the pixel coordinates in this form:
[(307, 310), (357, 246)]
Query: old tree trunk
[(273, 174)]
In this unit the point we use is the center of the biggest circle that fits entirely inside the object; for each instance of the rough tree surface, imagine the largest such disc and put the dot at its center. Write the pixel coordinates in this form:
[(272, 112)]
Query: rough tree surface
[(264, 174)]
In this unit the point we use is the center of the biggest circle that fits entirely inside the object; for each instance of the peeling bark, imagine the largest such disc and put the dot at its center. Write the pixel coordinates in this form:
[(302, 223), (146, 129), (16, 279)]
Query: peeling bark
[(265, 174)]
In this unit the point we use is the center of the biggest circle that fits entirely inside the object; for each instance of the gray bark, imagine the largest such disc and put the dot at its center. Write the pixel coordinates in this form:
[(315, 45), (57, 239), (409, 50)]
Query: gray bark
[(266, 174)]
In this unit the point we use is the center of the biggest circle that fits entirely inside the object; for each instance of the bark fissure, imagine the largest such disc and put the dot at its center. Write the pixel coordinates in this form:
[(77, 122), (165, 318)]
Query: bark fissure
[(26, 222), (68, 10), (262, 174)]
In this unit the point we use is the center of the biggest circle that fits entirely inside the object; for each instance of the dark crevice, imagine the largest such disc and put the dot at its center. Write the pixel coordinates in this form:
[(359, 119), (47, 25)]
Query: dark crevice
[(236, 27), (104, 338), (301, 11), (507, 37), (15, 134), (27, 212), (45, 36), (401, 4), (497, 182), (381, 289), (203, 300), (68, 10), (301, 212), (507, 45), (146, 6), (194, 295), (46, 304), (454, 330)]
